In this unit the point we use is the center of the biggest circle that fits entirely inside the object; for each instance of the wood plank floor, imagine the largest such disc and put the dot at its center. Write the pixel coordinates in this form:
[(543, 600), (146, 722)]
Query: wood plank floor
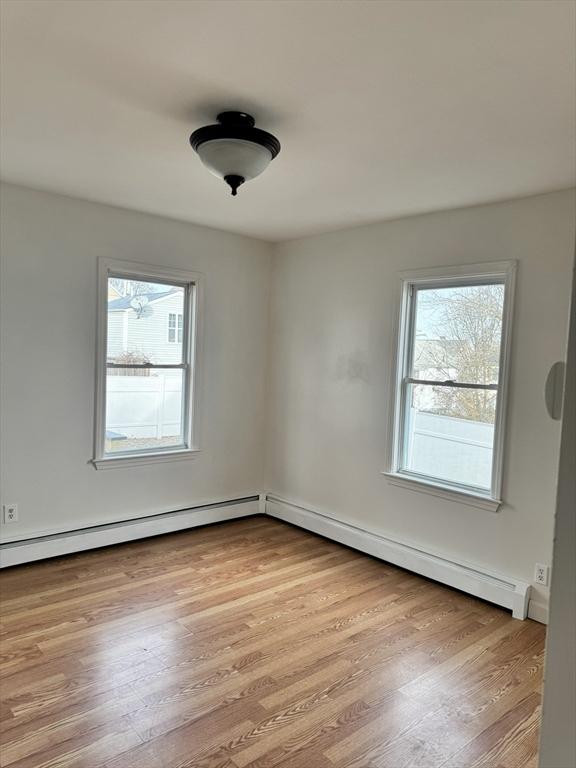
[(251, 644)]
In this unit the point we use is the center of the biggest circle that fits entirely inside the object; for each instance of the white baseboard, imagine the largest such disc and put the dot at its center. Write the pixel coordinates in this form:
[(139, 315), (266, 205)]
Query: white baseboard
[(28, 550), (538, 612), (497, 588)]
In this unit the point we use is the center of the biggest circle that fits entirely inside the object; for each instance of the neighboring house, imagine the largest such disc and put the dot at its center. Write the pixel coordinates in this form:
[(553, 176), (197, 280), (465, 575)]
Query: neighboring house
[(152, 330)]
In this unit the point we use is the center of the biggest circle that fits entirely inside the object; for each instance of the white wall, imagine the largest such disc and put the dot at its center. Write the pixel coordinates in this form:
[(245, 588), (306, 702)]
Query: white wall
[(331, 344), (332, 312), (50, 247)]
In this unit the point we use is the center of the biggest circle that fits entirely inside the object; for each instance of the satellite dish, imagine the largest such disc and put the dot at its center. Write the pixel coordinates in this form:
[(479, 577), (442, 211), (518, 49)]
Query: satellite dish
[(138, 303)]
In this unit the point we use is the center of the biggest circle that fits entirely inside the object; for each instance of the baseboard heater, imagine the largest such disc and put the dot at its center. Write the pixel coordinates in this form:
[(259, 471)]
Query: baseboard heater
[(495, 588), (501, 590), (56, 544)]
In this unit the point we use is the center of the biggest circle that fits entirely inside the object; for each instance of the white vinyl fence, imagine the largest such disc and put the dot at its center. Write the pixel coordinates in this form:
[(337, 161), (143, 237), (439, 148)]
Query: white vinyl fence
[(151, 407), (144, 406), (440, 442)]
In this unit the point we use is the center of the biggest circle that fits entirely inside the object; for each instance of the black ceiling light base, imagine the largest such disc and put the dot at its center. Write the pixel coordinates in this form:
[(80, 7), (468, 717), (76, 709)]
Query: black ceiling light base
[(234, 149), (234, 182), (238, 119), (235, 125)]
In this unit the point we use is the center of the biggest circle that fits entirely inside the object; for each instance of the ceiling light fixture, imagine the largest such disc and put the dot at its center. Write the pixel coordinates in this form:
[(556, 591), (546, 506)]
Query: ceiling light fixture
[(234, 150)]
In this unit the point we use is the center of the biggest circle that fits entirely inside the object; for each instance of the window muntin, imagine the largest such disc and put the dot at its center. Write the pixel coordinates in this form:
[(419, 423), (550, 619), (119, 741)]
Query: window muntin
[(145, 392), (448, 429)]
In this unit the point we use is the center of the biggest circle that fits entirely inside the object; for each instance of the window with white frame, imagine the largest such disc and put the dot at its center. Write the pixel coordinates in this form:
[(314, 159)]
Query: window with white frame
[(451, 380), (145, 389), (175, 327)]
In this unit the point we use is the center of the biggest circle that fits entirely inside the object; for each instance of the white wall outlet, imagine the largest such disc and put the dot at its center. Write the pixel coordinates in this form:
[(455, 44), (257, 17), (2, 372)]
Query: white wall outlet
[(541, 574), (10, 513)]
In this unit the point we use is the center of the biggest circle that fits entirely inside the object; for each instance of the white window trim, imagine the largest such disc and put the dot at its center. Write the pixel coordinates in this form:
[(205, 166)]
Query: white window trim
[(193, 340), (501, 270)]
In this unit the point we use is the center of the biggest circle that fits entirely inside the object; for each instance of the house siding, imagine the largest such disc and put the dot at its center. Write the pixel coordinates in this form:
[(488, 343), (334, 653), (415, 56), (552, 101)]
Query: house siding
[(115, 324), (146, 335)]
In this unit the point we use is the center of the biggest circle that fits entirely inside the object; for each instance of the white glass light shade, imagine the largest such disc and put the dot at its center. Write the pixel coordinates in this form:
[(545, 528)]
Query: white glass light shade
[(227, 157)]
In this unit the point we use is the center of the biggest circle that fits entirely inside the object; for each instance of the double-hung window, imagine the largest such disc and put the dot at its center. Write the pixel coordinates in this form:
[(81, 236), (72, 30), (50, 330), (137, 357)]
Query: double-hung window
[(146, 404), (451, 380)]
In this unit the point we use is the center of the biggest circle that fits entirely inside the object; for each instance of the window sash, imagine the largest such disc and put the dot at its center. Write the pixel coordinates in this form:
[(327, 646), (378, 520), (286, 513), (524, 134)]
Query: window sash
[(184, 366), (413, 289), (188, 300), (499, 273), (407, 380), (449, 383), (442, 482), (186, 351), (147, 365), (189, 320), (183, 443), (402, 464), (146, 452)]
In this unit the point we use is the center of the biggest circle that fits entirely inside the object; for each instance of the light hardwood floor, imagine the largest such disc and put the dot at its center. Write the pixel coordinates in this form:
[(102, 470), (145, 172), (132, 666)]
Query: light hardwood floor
[(252, 643)]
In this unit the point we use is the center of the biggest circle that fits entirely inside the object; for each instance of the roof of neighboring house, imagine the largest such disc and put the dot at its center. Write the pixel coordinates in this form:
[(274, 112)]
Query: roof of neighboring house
[(113, 293), (124, 302)]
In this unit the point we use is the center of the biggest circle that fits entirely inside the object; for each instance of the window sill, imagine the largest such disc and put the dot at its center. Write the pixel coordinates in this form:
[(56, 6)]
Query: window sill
[(443, 491), (137, 460)]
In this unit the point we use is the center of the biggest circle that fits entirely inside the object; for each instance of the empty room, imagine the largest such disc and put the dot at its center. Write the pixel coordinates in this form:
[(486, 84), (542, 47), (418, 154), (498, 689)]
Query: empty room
[(287, 384)]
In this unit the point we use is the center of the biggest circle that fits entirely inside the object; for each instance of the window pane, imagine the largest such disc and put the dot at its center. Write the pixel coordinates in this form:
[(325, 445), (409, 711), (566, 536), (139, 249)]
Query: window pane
[(457, 333), (449, 434), (143, 409), (142, 322)]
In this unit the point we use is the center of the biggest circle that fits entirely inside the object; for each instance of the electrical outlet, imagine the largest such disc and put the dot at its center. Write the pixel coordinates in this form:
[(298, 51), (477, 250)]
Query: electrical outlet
[(10, 513), (541, 573)]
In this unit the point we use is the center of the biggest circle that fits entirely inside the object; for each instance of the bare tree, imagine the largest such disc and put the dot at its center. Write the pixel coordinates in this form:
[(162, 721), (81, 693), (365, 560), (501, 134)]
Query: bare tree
[(466, 325), (132, 287), (128, 359)]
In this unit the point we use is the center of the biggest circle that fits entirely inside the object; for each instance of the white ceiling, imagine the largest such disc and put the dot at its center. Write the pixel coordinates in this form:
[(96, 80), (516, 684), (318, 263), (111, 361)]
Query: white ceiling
[(383, 108)]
